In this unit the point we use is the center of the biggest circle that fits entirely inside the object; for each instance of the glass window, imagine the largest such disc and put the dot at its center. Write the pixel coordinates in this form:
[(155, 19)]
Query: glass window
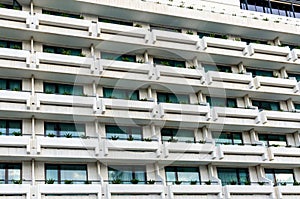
[(233, 176), (297, 106), (168, 62), (10, 173), (228, 138), (219, 68), (62, 14), (264, 105), (120, 94), (62, 50), (13, 4), (123, 132), (182, 175), (64, 129), (177, 135), (8, 84), (10, 44), (115, 21), (11, 127), (173, 98), (280, 176), (263, 73), (297, 76), (170, 29), (273, 140), (221, 102), (127, 174), (66, 173), (117, 57), (63, 89)]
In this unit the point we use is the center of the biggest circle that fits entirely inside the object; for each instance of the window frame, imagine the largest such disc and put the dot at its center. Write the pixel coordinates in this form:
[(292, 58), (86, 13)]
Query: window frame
[(129, 93), (273, 173), (7, 126), (132, 168), (59, 180), (128, 133), (231, 138), (238, 172), (58, 130), (177, 170), (6, 174), (268, 139), (58, 85), (169, 96), (260, 105), (9, 81)]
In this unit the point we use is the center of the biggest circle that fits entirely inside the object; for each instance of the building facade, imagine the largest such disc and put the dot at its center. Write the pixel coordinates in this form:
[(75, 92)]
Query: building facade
[(160, 99)]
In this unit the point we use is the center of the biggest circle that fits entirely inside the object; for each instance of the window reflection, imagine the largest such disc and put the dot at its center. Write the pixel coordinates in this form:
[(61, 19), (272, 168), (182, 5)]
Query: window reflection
[(66, 173), (280, 176), (182, 175)]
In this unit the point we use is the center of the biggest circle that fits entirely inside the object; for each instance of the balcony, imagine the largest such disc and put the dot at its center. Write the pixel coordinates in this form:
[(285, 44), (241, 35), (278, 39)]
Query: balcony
[(287, 84), (290, 154), (166, 36), (228, 77), (182, 147), (16, 189), (120, 145), (66, 189), (136, 189), (194, 190), (287, 191), (14, 54), (85, 147), (223, 43), (267, 49), (68, 60), (16, 141), (245, 150), (251, 190)]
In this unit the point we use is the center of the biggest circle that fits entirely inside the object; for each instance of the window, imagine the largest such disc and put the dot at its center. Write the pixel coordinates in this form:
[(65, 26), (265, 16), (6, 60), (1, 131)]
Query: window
[(115, 21), (62, 14), (120, 94), (205, 34), (280, 176), (170, 29), (63, 89), (233, 176), (118, 57), (10, 173), (127, 174), (283, 8), (297, 106), (169, 62), (255, 41), (14, 4), (182, 175), (69, 130), (66, 173), (264, 73), (10, 44), (273, 140), (297, 76), (123, 132), (228, 138), (221, 102), (173, 98), (11, 127), (10, 84), (264, 105), (177, 135), (62, 50), (219, 68)]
